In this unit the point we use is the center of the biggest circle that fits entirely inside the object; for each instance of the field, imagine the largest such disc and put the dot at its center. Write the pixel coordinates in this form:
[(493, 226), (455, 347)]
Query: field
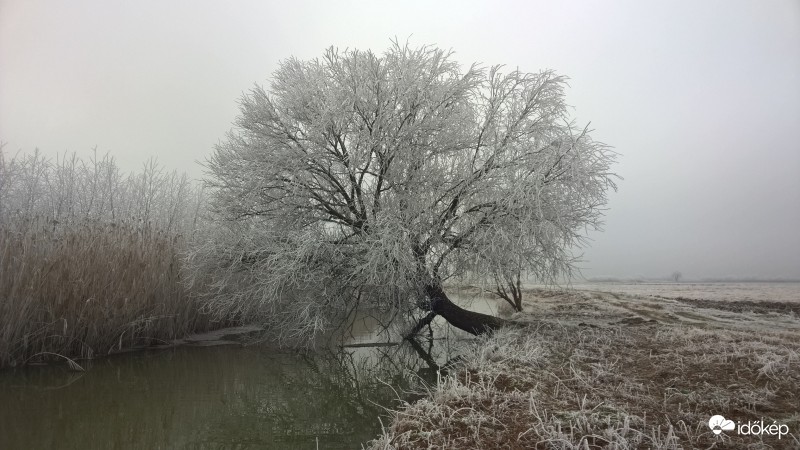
[(727, 291), (597, 369)]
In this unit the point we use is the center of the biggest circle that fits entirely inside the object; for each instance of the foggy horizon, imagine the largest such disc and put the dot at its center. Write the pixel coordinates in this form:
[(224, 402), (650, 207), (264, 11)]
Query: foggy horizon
[(698, 100)]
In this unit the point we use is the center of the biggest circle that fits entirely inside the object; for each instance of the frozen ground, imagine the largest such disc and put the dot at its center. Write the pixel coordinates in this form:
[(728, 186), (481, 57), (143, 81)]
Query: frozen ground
[(623, 366), (735, 305), (771, 292)]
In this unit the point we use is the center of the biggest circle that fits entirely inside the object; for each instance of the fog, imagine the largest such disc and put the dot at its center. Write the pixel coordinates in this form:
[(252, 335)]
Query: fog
[(700, 99)]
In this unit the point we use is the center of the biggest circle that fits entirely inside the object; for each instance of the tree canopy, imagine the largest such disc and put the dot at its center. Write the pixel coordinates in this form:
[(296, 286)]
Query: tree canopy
[(359, 180)]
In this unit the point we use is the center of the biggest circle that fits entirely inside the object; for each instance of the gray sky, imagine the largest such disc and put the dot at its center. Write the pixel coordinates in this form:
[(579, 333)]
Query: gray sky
[(700, 98)]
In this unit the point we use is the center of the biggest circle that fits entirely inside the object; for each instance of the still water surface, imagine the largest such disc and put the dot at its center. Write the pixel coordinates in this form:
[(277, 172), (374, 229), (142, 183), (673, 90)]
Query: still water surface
[(201, 397), (221, 397)]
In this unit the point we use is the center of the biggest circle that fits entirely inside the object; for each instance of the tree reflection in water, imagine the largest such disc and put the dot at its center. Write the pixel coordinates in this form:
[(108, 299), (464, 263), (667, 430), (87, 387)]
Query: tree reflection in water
[(214, 397)]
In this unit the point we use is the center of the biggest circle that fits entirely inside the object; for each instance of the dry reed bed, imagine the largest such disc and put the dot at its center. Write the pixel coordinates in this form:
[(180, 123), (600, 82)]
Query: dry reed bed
[(91, 257), (90, 289), (560, 385)]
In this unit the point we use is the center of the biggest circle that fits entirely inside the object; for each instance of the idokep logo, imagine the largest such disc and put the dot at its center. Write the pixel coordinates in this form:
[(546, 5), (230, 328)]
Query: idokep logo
[(718, 424)]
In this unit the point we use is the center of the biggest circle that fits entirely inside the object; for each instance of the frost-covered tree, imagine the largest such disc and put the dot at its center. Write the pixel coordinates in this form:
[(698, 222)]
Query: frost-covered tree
[(360, 180)]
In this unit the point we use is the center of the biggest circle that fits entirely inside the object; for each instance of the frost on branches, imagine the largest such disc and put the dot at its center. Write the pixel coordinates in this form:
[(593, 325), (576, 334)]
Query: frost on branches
[(366, 181)]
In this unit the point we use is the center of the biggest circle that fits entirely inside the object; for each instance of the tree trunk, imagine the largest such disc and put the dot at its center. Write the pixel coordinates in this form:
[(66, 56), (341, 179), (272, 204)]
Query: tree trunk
[(471, 322)]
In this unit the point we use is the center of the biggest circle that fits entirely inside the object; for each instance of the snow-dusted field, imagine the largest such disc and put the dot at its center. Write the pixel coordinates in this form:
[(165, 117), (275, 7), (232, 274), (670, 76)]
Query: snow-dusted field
[(768, 292), (619, 365)]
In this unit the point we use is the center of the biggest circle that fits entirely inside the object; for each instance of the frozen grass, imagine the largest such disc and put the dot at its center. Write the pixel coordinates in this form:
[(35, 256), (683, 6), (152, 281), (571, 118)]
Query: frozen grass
[(565, 384), (91, 259)]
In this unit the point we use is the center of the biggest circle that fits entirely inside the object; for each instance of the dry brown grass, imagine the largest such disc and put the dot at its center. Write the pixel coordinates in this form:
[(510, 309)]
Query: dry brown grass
[(90, 289), (91, 258), (605, 380)]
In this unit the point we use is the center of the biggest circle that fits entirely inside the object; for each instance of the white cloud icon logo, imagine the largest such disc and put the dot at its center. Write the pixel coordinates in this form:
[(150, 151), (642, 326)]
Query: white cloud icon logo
[(718, 424)]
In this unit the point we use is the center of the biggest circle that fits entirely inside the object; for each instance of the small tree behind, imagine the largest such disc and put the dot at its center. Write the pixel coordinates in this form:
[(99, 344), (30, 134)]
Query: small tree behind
[(361, 180), (509, 288)]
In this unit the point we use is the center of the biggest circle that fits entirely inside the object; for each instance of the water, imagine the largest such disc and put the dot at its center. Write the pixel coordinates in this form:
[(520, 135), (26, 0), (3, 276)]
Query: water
[(201, 397), (225, 396)]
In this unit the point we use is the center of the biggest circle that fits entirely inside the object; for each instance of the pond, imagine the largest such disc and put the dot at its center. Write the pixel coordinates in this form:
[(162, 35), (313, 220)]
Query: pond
[(221, 396)]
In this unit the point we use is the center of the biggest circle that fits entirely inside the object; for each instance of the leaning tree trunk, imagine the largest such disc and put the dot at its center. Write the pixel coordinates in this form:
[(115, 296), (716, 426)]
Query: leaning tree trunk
[(469, 321)]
